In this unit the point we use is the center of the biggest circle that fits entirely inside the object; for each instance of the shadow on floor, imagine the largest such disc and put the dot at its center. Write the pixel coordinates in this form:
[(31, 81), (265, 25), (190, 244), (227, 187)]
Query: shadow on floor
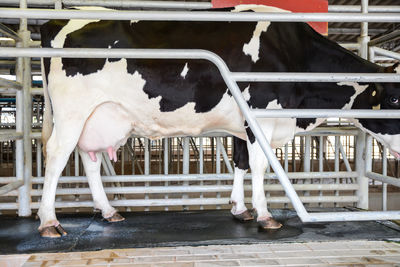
[(88, 232)]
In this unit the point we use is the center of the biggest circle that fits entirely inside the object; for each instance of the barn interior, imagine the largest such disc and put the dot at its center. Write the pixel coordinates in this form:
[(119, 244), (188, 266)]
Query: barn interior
[(175, 192)]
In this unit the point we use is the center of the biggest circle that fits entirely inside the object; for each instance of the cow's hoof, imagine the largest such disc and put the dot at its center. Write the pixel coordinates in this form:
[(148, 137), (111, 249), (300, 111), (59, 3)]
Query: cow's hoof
[(244, 216), (269, 223), (52, 231), (116, 217)]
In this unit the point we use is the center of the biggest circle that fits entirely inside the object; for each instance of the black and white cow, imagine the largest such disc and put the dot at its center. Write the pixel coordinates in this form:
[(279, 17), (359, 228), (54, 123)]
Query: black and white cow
[(98, 103)]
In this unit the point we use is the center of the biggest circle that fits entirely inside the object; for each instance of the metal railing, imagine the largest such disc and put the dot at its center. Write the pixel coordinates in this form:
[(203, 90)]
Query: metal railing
[(229, 78)]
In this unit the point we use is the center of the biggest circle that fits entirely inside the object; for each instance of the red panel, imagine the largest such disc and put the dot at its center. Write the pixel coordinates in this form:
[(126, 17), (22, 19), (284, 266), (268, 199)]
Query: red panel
[(297, 6)]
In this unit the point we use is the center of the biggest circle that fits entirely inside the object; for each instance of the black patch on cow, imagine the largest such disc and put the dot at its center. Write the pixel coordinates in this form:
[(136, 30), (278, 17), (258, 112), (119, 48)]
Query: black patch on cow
[(296, 47), (249, 133), (240, 154), (101, 34), (381, 126), (48, 32), (284, 47), (203, 84)]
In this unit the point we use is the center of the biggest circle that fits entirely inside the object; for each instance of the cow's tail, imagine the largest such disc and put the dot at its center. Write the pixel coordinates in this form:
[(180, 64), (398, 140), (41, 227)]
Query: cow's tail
[(47, 127)]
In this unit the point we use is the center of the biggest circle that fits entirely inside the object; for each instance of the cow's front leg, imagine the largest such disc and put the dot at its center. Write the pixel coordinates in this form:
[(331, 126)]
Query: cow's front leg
[(258, 164), (241, 160), (100, 200), (239, 210)]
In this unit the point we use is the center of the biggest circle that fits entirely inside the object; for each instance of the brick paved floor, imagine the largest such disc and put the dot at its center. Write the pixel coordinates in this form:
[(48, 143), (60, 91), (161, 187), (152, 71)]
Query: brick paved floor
[(339, 253)]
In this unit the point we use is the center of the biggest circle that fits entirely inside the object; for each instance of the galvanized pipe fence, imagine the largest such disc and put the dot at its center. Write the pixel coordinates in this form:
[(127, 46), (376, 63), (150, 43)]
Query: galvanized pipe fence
[(142, 186)]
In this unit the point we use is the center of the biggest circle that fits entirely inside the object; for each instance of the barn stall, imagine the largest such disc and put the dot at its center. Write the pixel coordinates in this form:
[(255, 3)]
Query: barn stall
[(336, 170)]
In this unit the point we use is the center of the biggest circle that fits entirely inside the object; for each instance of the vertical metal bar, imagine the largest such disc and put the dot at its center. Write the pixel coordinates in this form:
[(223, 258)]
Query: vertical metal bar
[(361, 160), (364, 38), (337, 167), (307, 160), (384, 185), (218, 164), (38, 158), (123, 160), (146, 166), (185, 164), (286, 158), (24, 197), (146, 157), (224, 156), (321, 154), (218, 155), (76, 164), (133, 154), (321, 163), (201, 166), (294, 155), (166, 158)]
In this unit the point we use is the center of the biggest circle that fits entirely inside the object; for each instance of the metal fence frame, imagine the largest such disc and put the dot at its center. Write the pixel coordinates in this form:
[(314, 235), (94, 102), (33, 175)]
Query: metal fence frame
[(363, 169)]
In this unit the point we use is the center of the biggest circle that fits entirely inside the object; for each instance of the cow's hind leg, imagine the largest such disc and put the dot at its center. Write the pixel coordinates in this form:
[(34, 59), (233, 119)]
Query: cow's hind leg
[(258, 164), (241, 160), (100, 199), (59, 147)]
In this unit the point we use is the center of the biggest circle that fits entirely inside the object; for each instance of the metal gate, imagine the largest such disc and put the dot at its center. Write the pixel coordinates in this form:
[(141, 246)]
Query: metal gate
[(199, 190)]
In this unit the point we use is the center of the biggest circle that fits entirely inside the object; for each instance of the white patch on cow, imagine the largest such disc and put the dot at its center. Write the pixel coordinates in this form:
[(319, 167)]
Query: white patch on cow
[(246, 93), (252, 48), (358, 88), (116, 42), (184, 71), (72, 25), (283, 128), (237, 195), (134, 21), (397, 69)]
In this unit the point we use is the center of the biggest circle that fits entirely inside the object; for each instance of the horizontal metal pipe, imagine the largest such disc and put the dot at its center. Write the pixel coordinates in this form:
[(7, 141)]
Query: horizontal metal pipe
[(384, 52), (326, 113), (190, 177), (11, 187), (320, 131), (383, 178), (353, 216), (119, 3), (350, 46), (186, 5), (194, 15), (196, 54), (192, 201), (6, 135), (10, 84), (192, 189), (314, 77), (357, 8)]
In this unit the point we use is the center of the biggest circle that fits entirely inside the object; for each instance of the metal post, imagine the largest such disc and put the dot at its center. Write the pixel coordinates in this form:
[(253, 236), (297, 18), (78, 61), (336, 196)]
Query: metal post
[(384, 185), (166, 158), (38, 158), (147, 162), (364, 38), (361, 158), (24, 197), (218, 164), (286, 164), (185, 165), (201, 166)]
